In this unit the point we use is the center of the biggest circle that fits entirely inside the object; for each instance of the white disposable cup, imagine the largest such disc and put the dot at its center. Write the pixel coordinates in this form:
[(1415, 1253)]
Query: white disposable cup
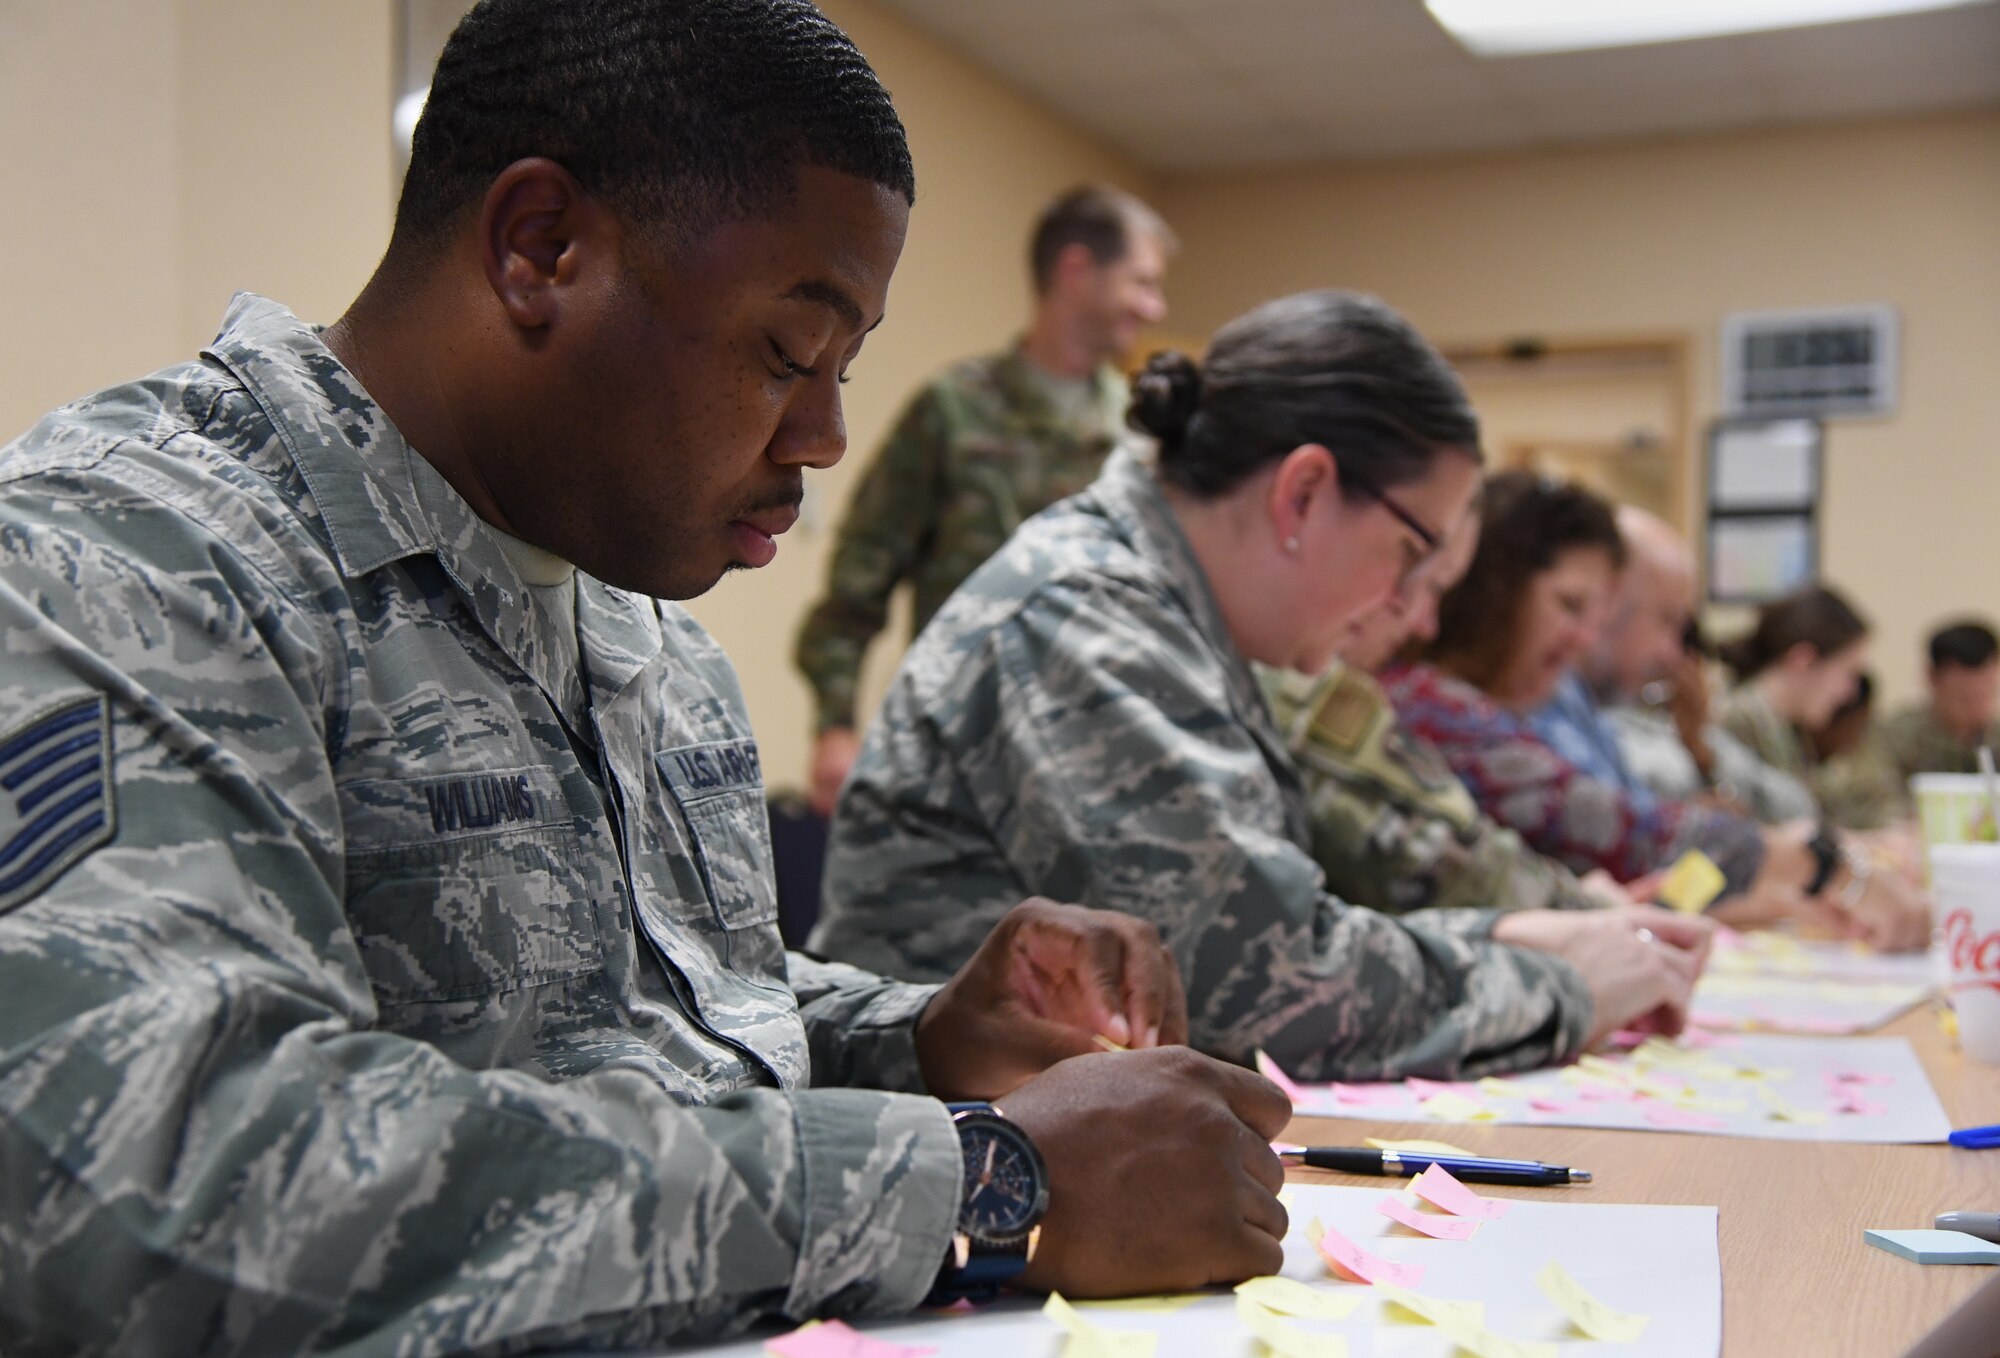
[(1965, 881)]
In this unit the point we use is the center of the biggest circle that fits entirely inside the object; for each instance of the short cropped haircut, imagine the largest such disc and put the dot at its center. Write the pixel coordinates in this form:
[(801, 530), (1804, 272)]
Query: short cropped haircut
[(1101, 219), (681, 113), (1968, 645)]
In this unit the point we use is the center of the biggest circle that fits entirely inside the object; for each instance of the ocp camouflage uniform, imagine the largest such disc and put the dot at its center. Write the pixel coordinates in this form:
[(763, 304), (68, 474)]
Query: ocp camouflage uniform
[(984, 447), (1077, 722), (1391, 825), (402, 975), (1861, 792), (1918, 744)]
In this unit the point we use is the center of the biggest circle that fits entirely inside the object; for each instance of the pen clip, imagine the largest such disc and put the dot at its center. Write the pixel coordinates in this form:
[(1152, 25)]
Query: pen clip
[(1976, 1138)]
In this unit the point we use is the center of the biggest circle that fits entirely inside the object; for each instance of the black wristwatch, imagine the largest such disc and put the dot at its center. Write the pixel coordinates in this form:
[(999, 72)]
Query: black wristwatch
[(1825, 850), (1000, 1214)]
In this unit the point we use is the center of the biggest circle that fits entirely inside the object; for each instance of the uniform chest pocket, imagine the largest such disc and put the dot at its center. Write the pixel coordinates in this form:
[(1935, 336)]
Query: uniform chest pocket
[(719, 790), (466, 885)]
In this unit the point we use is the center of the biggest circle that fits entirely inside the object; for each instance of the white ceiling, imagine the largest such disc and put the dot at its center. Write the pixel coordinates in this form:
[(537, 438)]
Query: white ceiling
[(1184, 85)]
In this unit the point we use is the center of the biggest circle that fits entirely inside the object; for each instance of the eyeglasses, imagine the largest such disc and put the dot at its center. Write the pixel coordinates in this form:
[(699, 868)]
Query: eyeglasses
[(1432, 541)]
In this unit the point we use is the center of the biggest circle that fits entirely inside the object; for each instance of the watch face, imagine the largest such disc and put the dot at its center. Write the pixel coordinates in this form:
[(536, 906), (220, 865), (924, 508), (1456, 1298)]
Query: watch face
[(1006, 1189)]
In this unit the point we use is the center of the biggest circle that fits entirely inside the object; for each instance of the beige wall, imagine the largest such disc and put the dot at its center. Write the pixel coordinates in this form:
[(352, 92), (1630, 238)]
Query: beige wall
[(162, 156), (987, 159), (1665, 238)]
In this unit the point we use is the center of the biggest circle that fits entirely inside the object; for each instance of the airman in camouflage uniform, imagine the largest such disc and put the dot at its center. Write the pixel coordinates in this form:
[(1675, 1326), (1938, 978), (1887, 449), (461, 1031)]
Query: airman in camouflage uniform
[(374, 847), (1077, 720), (1391, 824)]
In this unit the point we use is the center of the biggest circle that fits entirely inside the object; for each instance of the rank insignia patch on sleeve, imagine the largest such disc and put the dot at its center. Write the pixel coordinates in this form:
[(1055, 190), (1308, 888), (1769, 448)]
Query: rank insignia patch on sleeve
[(56, 800)]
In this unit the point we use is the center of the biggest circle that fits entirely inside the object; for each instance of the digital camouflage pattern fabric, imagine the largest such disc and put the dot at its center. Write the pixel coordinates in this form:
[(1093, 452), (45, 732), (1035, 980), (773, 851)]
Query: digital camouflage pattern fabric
[(1076, 722), (981, 449), (1392, 826), (1658, 758), (427, 997), (1858, 792)]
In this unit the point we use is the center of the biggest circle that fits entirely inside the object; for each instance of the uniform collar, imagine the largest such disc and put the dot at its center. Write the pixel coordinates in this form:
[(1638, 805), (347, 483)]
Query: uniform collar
[(1027, 386), (381, 502), (1129, 492)]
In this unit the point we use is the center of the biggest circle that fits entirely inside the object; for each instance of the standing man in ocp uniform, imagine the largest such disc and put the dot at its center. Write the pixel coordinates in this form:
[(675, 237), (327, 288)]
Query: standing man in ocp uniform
[(986, 445)]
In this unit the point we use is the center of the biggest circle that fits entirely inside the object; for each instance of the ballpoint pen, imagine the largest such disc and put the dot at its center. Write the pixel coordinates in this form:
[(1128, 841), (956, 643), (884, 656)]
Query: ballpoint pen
[(1471, 1169)]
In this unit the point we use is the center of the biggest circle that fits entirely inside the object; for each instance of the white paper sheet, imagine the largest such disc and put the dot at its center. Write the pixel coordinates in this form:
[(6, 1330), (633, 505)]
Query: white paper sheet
[(1797, 1004), (1904, 1107), (1659, 1261)]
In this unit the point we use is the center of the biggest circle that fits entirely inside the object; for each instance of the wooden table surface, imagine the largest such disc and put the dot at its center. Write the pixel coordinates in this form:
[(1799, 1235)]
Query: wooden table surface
[(1797, 1278)]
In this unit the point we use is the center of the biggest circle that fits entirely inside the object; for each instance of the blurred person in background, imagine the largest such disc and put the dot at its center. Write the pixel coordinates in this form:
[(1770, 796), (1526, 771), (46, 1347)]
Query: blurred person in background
[(1528, 610), (984, 446), (1942, 732)]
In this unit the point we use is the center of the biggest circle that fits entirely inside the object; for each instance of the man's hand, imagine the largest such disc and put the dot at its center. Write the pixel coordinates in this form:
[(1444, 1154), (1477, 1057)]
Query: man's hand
[(1893, 914), (833, 755), (1639, 962), (1047, 983), (1161, 1173)]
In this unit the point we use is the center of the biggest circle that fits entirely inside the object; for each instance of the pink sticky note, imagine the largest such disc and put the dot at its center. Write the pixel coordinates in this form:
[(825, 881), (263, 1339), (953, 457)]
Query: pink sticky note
[(1857, 1103), (831, 1339), (1695, 1038), (1605, 1094), (1430, 1089), (1626, 1038), (1858, 1077), (1270, 1070), (1548, 1105), (1709, 1018), (1351, 1261), (1367, 1093), (1437, 1228), (1437, 1187), (1281, 1147), (1667, 1115)]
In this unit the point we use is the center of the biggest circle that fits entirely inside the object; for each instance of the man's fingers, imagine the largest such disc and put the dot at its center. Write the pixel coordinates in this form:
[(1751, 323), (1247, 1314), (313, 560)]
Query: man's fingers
[(1251, 1252), (1252, 1098), (1173, 1030), (1262, 1210)]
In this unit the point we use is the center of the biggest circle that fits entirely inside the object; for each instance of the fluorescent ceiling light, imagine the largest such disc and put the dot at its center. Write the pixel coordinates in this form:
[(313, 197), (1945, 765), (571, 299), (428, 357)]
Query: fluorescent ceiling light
[(1506, 28)]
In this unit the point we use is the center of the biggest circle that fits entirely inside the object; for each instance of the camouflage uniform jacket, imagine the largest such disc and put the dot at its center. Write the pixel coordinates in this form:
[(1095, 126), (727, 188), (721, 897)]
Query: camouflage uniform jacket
[(1077, 723), (1391, 825), (395, 984), (1919, 744), (1858, 792), (980, 450)]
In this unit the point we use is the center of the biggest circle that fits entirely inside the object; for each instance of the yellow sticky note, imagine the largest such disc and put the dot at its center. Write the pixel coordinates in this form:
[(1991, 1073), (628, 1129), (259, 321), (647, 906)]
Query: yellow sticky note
[(1501, 1089), (1484, 1343), (1164, 1302), (1095, 1341), (1290, 1297), (1784, 1109), (1577, 1075), (1610, 1070), (1454, 1107), (1435, 1310), (1418, 1147), (1692, 882), (1284, 1339), (1592, 1316)]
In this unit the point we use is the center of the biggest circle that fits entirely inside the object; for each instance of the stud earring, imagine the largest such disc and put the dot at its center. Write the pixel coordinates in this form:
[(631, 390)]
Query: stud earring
[(1291, 544)]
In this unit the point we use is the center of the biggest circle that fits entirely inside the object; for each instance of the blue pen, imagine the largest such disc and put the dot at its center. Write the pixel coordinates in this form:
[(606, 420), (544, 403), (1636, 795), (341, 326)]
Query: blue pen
[(1976, 1138), (1470, 1169)]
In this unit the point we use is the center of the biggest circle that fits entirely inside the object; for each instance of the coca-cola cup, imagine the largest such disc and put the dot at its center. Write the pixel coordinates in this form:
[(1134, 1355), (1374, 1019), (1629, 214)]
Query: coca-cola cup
[(1965, 881)]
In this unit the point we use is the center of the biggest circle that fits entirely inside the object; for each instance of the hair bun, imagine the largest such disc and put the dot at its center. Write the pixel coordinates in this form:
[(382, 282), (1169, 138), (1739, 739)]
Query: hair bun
[(1166, 396)]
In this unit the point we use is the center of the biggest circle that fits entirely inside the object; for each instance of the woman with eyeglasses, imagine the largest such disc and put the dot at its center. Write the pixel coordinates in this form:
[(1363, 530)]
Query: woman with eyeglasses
[(1081, 721)]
